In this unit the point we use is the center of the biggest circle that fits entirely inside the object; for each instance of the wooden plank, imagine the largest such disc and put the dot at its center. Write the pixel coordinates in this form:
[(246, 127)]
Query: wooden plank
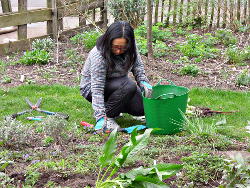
[(231, 12), (21, 18), (175, 11), (6, 6), (22, 29), (181, 11), (224, 22), (25, 44), (156, 11), (238, 11), (206, 11), (20, 45), (212, 15), (55, 20), (162, 10), (49, 22), (168, 14), (218, 14)]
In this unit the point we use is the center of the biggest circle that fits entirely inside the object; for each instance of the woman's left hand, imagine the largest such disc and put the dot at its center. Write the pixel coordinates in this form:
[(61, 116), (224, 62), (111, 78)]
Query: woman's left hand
[(146, 88)]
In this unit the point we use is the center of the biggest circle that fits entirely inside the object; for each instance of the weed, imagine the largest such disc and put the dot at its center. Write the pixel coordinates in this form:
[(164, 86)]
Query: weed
[(110, 164), (48, 140), (87, 38), (142, 45), (2, 66), (191, 69), (181, 31), (243, 79), (202, 168), (226, 37), (160, 49), (35, 57), (6, 80), (46, 44), (31, 177), (237, 173), (73, 57), (14, 134)]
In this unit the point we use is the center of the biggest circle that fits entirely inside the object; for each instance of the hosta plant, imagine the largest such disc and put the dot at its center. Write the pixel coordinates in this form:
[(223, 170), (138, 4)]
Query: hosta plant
[(139, 177)]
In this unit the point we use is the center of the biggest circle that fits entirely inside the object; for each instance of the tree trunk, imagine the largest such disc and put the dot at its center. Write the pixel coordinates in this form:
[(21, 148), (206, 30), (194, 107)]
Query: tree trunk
[(149, 29)]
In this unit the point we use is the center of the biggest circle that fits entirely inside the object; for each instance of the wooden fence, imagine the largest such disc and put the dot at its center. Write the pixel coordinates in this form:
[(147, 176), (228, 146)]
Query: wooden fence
[(54, 13), (214, 13)]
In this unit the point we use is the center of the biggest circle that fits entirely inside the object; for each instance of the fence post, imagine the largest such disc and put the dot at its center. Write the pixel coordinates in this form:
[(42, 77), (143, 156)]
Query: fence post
[(6, 6), (49, 23), (59, 3), (54, 20), (238, 10), (181, 11), (168, 15), (156, 11), (212, 15), (206, 11), (231, 11), (22, 29), (248, 12), (175, 11)]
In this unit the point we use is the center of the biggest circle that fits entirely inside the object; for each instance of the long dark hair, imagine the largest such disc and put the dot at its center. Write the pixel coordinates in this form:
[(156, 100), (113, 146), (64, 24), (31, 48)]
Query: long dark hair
[(116, 30)]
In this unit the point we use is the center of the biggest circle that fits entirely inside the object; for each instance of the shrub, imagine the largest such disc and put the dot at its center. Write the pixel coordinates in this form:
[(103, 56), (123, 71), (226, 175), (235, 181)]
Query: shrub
[(128, 10), (226, 37), (46, 44), (160, 48), (243, 78), (191, 69), (141, 45), (88, 38), (35, 57)]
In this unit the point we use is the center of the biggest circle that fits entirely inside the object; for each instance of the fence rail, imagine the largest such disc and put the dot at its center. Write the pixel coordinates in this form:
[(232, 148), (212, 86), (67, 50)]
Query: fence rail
[(54, 13)]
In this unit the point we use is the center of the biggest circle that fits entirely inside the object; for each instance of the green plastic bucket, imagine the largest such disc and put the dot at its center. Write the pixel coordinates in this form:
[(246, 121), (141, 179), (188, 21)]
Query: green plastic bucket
[(165, 107)]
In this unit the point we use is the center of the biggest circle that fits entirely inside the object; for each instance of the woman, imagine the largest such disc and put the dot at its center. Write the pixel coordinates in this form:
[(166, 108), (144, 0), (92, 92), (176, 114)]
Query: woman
[(105, 82)]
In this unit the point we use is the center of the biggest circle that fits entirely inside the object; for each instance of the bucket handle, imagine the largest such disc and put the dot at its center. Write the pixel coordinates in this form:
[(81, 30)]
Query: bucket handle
[(170, 96), (171, 83)]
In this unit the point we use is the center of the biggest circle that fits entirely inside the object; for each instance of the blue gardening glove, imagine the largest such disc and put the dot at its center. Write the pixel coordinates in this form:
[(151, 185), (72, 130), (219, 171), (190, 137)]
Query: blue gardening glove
[(130, 129), (99, 124), (146, 88)]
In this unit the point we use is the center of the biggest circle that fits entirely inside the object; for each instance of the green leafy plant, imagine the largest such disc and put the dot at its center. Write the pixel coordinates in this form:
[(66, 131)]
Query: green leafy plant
[(160, 48), (73, 58), (226, 37), (142, 177), (197, 46), (191, 69), (35, 57), (87, 38), (127, 10), (235, 55), (46, 44), (158, 33), (200, 168), (243, 78)]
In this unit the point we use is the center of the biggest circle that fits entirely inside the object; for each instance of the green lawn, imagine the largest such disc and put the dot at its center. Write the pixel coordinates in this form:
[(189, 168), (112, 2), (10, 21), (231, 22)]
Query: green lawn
[(68, 100)]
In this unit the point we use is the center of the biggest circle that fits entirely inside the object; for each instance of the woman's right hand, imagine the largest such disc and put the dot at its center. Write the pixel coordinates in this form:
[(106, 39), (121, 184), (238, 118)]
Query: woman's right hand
[(100, 123)]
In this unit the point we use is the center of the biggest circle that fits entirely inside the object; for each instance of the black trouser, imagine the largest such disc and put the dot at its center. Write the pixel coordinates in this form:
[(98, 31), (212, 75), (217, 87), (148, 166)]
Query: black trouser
[(121, 95)]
